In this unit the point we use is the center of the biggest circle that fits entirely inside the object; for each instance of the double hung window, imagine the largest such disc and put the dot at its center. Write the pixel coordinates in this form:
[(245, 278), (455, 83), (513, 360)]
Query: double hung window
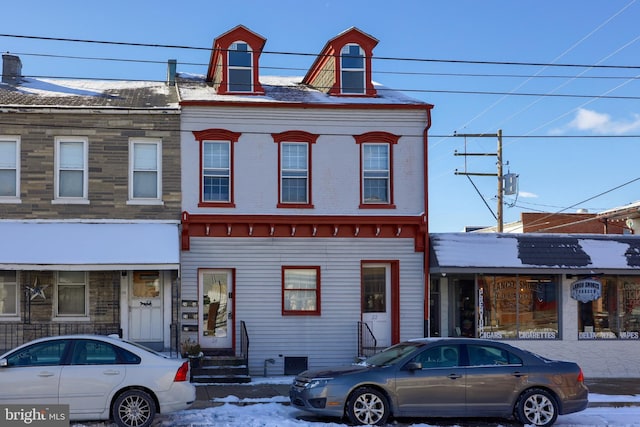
[(71, 294), (352, 61), (71, 180), (376, 169), (240, 67), (216, 171), (145, 181), (376, 173), (294, 173), (301, 290), (9, 168), (8, 293)]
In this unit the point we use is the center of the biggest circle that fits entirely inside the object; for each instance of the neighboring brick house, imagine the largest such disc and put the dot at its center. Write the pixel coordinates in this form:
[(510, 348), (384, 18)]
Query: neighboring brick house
[(304, 200), (89, 208)]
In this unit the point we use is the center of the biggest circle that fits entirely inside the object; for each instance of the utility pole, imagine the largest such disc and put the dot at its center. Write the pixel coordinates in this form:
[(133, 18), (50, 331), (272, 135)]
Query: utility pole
[(498, 154)]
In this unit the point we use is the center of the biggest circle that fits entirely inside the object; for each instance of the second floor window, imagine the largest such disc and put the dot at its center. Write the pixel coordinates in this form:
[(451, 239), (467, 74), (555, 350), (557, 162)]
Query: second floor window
[(145, 174), (71, 169), (353, 69), (216, 171), (375, 173), (9, 167), (294, 173), (240, 68)]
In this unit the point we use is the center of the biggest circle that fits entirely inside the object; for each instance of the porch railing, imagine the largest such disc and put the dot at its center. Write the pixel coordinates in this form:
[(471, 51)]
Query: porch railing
[(15, 334), (367, 343), (244, 342)]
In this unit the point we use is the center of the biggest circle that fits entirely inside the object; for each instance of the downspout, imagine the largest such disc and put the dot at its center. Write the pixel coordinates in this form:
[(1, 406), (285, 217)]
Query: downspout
[(427, 285)]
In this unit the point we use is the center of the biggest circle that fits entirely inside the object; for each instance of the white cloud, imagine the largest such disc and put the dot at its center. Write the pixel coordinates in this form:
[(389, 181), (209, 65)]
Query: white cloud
[(602, 123), (527, 195)]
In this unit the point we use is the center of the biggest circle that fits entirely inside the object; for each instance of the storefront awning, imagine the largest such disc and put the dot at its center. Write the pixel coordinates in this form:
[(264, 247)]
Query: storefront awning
[(89, 246)]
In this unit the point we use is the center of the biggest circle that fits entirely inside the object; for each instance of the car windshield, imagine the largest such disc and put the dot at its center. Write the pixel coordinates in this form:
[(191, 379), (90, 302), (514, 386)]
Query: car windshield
[(392, 354)]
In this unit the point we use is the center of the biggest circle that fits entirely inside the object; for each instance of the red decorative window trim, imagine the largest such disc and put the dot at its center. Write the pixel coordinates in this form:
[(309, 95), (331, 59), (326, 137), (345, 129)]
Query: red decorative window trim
[(218, 71), (294, 305), (378, 137), (300, 137), (217, 135)]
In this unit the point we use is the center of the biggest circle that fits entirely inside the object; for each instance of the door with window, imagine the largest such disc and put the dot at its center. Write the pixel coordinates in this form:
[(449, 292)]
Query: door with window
[(216, 290), (145, 307), (376, 301)]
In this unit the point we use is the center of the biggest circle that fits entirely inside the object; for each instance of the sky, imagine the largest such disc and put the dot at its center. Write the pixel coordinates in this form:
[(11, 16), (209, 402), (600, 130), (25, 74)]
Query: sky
[(270, 412), (560, 79)]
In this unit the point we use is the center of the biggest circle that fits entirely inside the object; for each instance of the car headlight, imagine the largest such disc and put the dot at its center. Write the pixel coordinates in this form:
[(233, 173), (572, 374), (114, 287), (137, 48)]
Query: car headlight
[(318, 382)]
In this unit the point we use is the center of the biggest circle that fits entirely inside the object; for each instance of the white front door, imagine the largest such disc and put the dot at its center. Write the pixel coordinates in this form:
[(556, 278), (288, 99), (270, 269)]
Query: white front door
[(145, 306), (216, 323), (376, 304)]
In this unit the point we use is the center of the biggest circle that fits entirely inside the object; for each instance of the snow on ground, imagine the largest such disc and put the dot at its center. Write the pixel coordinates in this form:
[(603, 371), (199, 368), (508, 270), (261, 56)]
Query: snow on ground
[(270, 412)]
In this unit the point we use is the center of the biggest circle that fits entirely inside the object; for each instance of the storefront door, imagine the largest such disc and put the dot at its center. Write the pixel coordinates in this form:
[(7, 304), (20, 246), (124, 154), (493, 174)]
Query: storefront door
[(145, 307), (376, 304), (464, 303), (216, 291)]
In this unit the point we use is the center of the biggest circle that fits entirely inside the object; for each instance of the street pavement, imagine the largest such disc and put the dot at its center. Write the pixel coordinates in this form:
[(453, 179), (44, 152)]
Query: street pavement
[(208, 395)]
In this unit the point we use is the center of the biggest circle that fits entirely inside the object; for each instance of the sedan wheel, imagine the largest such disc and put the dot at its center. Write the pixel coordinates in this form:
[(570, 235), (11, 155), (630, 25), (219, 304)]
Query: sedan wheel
[(368, 406), (134, 408), (537, 407)]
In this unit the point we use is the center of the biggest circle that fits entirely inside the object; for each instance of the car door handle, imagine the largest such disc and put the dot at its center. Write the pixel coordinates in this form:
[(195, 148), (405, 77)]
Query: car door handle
[(111, 372), (519, 374), (454, 376), (46, 374)]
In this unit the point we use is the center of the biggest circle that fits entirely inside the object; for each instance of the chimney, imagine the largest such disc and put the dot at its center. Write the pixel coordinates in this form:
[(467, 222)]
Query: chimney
[(171, 72), (11, 69)]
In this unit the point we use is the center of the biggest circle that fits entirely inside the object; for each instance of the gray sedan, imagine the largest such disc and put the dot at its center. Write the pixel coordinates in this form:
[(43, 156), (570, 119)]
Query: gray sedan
[(446, 377)]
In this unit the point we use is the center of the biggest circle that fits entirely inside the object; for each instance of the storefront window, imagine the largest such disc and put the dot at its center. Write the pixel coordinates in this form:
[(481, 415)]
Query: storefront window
[(608, 307), (518, 307)]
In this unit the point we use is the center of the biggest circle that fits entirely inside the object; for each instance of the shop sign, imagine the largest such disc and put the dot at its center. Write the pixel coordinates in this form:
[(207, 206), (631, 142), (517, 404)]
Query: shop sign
[(586, 290)]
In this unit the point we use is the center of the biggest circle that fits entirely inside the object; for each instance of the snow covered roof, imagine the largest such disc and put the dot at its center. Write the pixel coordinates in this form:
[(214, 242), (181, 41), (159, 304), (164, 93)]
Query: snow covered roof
[(585, 253), (285, 90), (50, 92)]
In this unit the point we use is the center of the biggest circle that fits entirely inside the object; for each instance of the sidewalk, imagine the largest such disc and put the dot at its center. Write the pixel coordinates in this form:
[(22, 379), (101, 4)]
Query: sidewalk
[(603, 392)]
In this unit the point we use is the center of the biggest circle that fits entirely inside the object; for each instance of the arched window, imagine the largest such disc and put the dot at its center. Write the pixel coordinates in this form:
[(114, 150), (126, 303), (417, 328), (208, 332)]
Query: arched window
[(240, 67), (352, 65)]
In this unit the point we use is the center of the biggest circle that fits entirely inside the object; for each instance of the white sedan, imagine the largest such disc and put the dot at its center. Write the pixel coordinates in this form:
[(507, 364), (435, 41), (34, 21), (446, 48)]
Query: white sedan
[(99, 377)]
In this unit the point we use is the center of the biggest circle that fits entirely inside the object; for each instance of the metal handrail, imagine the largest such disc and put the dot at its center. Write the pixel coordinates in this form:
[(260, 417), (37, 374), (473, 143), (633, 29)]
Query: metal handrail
[(367, 343), (244, 342)]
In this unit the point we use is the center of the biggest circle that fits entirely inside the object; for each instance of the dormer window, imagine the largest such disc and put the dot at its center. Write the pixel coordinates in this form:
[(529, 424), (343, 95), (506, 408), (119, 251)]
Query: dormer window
[(234, 64), (343, 67), (240, 68), (353, 69)]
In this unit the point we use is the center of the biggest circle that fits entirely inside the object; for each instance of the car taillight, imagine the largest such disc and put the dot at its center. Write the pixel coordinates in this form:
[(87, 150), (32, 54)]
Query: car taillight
[(183, 373), (580, 376)]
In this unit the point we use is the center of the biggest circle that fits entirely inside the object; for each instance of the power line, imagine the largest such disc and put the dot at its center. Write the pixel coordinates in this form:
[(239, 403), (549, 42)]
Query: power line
[(381, 58), (302, 69)]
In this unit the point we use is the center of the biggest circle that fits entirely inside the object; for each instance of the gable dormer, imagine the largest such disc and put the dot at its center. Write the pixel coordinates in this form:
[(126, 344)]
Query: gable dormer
[(233, 67), (343, 67)]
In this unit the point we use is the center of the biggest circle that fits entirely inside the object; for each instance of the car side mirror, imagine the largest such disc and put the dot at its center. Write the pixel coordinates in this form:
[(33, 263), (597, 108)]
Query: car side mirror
[(413, 366)]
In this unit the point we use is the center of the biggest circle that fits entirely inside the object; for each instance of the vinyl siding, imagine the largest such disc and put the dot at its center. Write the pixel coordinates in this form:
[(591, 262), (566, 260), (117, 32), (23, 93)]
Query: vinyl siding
[(328, 339)]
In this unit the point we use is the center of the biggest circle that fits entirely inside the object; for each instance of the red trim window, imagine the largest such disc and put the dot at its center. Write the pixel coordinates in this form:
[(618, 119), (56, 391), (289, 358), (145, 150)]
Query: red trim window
[(216, 167), (353, 71), (294, 168), (240, 60), (300, 290), (376, 169)]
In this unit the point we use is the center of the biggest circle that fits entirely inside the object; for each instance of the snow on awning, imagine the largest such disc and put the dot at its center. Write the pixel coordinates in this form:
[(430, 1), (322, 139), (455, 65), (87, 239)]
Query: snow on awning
[(89, 246)]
